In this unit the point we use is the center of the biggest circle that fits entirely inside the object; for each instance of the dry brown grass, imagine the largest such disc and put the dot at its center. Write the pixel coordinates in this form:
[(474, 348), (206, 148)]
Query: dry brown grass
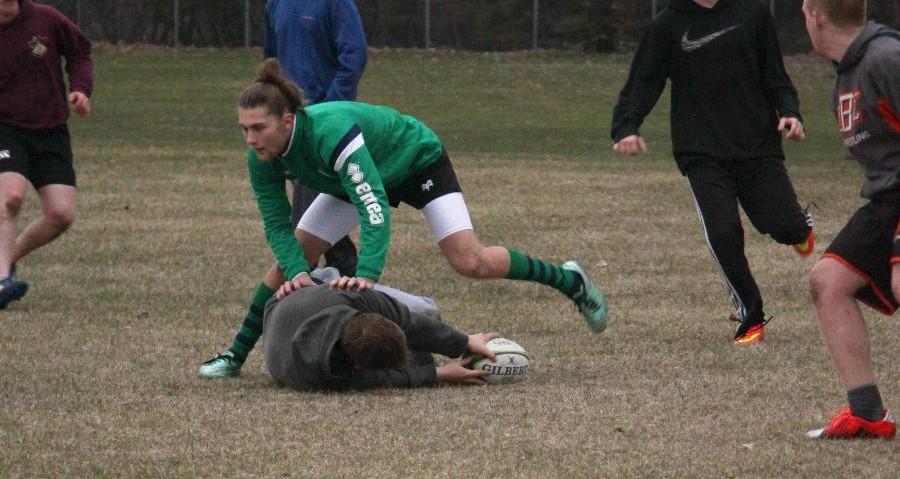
[(97, 365)]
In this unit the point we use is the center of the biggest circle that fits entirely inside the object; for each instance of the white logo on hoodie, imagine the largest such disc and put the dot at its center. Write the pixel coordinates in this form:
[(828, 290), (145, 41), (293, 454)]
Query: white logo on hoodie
[(691, 45)]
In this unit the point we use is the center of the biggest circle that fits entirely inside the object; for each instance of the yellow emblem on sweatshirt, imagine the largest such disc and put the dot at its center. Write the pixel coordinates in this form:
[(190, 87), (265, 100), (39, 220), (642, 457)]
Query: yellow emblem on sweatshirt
[(38, 48)]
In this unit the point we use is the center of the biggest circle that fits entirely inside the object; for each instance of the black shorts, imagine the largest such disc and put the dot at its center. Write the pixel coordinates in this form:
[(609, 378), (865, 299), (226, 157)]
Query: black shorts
[(435, 180), (44, 157), (868, 244)]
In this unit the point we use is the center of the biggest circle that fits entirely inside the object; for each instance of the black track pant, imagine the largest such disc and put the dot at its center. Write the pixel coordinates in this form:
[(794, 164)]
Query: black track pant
[(764, 191), (343, 254)]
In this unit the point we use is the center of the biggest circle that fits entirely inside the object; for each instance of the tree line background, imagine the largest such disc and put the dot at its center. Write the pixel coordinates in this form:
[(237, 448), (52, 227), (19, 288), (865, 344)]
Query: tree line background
[(495, 25)]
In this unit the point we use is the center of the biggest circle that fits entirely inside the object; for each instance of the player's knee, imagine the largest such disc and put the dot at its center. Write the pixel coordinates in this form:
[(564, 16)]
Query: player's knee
[(815, 287), (470, 265), (820, 282), (466, 265), (61, 218), (12, 204), (313, 246)]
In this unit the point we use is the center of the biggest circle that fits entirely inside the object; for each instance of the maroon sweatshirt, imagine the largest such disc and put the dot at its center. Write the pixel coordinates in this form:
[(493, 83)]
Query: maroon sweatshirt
[(32, 91)]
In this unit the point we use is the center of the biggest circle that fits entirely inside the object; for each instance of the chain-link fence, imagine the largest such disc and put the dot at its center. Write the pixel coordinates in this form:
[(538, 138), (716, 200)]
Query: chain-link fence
[(481, 25)]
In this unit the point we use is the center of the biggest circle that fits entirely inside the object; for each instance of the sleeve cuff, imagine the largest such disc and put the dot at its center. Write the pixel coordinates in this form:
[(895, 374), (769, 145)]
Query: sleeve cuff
[(623, 132), (429, 375), (459, 345)]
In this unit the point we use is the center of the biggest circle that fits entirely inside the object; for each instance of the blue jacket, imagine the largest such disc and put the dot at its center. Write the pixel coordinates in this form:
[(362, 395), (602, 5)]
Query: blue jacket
[(320, 44)]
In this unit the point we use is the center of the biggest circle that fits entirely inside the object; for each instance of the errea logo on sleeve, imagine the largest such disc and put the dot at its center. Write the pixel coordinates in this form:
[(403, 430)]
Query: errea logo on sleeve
[(365, 194), (355, 175), (5, 155), (364, 191)]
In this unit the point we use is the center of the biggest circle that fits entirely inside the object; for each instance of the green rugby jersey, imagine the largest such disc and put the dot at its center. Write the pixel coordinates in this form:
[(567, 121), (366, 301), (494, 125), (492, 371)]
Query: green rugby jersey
[(354, 151)]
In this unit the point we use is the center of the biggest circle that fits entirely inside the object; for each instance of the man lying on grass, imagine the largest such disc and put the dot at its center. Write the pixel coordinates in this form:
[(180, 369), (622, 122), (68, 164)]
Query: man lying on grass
[(322, 338)]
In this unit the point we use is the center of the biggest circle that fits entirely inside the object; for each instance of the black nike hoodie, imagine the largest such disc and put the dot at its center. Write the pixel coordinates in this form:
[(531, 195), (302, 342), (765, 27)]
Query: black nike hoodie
[(729, 85)]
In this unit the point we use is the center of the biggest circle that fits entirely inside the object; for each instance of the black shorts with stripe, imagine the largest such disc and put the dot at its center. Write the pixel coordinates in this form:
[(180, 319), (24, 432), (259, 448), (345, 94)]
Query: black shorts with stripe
[(44, 157), (435, 180), (869, 245)]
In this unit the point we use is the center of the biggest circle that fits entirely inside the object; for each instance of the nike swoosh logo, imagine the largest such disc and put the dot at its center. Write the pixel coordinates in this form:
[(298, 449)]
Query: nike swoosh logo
[(691, 45)]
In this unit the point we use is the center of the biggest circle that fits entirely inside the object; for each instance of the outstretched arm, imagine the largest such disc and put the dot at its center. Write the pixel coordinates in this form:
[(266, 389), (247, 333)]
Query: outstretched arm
[(646, 81)]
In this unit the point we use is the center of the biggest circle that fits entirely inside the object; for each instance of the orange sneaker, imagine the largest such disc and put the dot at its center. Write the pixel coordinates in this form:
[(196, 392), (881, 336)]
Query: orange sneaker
[(807, 247), (847, 426), (751, 336)]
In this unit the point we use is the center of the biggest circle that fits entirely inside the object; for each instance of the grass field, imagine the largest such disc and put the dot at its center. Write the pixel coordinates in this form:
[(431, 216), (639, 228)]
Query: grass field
[(98, 363)]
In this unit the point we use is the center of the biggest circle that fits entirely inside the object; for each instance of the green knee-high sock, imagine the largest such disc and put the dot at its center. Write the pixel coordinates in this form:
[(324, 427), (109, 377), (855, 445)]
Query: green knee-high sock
[(251, 329), (529, 269)]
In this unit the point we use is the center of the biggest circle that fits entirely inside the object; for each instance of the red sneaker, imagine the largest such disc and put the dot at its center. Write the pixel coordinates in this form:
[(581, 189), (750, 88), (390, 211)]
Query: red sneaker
[(807, 247), (754, 335), (848, 426), (751, 336)]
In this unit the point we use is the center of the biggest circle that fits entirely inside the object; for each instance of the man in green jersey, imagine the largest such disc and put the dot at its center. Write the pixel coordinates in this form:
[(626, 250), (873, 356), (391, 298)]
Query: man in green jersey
[(364, 159)]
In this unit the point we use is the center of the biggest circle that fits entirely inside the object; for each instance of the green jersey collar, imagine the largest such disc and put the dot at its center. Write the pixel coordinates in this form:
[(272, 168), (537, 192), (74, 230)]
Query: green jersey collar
[(295, 142)]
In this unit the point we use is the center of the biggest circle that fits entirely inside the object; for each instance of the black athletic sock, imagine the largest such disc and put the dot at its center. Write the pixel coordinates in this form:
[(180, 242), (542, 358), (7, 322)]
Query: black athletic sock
[(865, 402)]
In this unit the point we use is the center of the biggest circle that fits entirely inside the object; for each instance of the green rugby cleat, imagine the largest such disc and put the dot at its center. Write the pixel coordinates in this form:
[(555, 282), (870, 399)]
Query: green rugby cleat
[(222, 366), (589, 299)]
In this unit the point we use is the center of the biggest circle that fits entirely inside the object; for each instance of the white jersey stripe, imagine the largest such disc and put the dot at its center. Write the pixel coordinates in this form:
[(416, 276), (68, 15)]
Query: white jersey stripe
[(351, 148)]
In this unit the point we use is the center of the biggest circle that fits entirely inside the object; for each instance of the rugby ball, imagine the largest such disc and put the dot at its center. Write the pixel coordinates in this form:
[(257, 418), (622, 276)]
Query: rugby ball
[(510, 366)]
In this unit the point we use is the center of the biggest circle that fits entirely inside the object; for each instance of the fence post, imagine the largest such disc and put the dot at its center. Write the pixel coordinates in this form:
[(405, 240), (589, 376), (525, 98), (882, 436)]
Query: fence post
[(427, 23), (534, 25), (177, 22), (652, 9), (772, 7), (246, 23)]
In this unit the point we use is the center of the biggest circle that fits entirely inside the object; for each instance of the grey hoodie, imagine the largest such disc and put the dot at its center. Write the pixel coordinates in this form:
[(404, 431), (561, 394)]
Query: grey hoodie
[(867, 106), (301, 332)]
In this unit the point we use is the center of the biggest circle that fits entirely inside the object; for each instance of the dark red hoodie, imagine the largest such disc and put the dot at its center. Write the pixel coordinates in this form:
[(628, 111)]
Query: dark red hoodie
[(32, 91)]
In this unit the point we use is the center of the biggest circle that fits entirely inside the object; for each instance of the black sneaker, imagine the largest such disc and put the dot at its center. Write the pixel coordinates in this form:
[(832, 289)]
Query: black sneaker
[(13, 290)]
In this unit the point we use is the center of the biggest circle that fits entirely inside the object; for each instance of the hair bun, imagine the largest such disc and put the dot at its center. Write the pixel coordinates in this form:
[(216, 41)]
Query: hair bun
[(269, 72)]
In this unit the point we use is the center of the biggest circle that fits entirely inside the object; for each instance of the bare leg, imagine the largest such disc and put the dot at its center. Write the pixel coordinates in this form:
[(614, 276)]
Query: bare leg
[(313, 246), (13, 187), (470, 258), (841, 323), (274, 278), (58, 213)]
